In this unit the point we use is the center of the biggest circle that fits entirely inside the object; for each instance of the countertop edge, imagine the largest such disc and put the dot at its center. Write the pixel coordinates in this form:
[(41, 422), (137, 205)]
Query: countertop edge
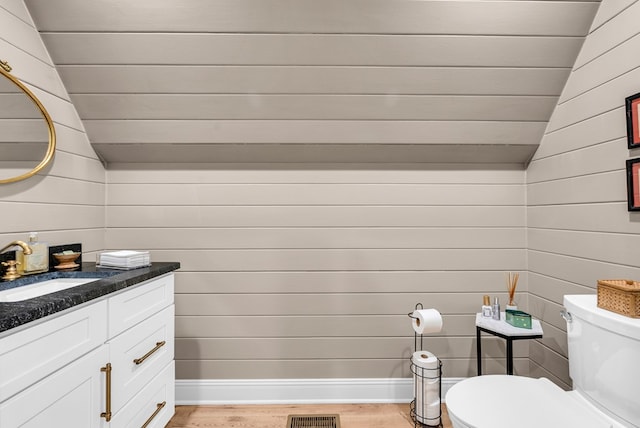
[(17, 314)]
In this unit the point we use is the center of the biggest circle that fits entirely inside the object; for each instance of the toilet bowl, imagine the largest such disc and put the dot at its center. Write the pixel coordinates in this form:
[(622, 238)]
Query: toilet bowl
[(604, 365), (502, 401)]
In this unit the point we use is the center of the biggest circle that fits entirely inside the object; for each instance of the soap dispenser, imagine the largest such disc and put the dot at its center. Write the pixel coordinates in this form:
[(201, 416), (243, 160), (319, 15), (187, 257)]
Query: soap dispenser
[(38, 260)]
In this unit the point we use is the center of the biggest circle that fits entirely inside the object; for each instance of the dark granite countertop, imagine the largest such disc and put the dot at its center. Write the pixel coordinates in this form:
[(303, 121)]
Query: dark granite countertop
[(15, 314)]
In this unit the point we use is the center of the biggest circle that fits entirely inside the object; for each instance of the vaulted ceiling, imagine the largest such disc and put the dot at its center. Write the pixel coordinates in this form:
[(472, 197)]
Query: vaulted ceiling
[(314, 81)]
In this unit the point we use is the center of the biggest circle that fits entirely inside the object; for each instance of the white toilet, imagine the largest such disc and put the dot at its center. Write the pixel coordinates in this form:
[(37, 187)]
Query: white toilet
[(604, 364)]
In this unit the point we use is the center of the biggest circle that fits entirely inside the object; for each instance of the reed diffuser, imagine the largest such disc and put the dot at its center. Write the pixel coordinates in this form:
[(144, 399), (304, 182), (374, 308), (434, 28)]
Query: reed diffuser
[(512, 283)]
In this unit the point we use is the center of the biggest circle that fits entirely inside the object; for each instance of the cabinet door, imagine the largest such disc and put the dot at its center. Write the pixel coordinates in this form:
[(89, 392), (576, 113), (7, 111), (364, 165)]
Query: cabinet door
[(38, 351), (72, 397)]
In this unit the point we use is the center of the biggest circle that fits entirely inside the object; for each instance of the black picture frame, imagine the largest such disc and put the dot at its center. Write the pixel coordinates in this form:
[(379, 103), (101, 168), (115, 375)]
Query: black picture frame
[(632, 105), (633, 184)]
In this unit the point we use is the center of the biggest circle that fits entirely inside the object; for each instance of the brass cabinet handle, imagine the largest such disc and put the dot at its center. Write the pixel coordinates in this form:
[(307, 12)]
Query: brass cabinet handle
[(159, 407), (107, 415), (148, 354)]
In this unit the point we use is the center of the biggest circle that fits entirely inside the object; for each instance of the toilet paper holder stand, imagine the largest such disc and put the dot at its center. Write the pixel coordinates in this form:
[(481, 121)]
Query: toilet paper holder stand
[(419, 373)]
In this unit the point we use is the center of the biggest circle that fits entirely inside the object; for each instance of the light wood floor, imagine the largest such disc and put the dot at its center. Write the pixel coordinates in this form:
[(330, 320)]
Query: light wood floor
[(275, 416)]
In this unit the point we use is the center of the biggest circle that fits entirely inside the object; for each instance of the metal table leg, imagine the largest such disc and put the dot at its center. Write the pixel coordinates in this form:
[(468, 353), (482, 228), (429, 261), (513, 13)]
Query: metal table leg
[(478, 351), (509, 356)]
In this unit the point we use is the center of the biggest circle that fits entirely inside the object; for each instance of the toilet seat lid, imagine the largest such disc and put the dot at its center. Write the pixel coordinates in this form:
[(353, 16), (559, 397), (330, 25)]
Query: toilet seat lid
[(497, 401)]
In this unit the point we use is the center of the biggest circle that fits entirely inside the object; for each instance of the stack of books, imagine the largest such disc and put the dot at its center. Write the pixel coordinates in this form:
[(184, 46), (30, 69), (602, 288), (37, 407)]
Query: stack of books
[(125, 259)]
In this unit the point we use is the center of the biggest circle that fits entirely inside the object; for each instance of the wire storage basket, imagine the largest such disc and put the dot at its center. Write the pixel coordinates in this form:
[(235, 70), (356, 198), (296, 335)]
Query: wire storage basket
[(425, 408)]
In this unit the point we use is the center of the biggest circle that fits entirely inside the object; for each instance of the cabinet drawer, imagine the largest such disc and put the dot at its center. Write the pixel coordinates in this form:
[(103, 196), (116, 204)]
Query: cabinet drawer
[(31, 354), (137, 303), (148, 406), (151, 345)]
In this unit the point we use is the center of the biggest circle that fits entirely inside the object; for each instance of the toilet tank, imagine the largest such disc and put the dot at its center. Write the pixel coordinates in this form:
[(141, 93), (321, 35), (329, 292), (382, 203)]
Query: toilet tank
[(604, 357)]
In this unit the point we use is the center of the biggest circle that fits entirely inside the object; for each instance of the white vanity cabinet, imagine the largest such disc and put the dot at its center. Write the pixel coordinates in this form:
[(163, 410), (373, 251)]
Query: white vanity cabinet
[(108, 364)]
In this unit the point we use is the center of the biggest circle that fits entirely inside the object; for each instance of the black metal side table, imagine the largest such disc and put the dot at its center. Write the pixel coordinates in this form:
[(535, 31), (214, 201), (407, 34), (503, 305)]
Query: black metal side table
[(506, 331)]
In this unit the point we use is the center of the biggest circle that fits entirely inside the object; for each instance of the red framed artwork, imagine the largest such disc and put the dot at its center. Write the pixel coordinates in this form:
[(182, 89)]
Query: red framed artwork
[(633, 127), (633, 184)]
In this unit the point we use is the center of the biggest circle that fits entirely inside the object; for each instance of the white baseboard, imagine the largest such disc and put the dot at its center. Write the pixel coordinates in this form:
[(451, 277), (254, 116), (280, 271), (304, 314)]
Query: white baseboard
[(299, 391)]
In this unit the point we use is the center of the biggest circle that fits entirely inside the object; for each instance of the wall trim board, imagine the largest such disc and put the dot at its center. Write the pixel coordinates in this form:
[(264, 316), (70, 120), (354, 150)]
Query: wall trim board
[(298, 391)]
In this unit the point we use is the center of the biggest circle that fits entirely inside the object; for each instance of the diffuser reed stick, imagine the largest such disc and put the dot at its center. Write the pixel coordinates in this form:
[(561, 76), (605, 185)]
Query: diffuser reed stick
[(512, 283)]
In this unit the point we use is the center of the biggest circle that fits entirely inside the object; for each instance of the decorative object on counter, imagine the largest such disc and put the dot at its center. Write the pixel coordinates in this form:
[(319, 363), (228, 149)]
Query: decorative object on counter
[(621, 296), (37, 261), (495, 309), (487, 312), (512, 284), (57, 249), (67, 260), (124, 259), (517, 318), (632, 104)]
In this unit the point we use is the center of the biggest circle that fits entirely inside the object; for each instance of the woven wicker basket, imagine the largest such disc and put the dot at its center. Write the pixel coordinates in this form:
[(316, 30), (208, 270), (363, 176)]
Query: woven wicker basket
[(621, 296)]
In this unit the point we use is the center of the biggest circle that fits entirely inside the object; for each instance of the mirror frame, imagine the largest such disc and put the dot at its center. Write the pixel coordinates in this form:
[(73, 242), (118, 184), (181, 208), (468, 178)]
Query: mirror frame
[(5, 68)]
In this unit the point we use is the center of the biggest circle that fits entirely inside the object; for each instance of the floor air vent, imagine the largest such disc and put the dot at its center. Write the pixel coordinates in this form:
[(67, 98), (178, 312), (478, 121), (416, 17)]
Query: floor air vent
[(313, 421)]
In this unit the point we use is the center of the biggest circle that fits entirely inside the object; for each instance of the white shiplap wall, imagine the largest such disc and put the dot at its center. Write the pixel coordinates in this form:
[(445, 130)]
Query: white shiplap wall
[(66, 202), (305, 81), (327, 253), (579, 229), (310, 273), (326, 261)]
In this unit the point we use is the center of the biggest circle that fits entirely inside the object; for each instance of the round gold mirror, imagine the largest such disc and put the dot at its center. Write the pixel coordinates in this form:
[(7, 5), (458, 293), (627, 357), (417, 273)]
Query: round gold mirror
[(27, 143)]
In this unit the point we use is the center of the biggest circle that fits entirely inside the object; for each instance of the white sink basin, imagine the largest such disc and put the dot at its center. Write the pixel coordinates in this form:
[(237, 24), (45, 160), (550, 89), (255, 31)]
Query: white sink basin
[(30, 291)]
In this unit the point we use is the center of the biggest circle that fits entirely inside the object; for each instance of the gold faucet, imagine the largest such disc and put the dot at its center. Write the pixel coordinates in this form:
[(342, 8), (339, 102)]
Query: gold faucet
[(12, 272)]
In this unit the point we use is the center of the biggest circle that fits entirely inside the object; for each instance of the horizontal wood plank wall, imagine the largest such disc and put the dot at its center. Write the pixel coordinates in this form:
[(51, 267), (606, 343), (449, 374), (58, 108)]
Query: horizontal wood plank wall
[(65, 203), (307, 261), (579, 229), (310, 273), (306, 81), (302, 246), (311, 17)]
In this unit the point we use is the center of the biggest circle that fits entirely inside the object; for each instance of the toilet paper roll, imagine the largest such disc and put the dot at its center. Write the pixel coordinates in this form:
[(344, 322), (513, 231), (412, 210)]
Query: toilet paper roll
[(426, 360), (426, 321), (430, 415), (426, 379)]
